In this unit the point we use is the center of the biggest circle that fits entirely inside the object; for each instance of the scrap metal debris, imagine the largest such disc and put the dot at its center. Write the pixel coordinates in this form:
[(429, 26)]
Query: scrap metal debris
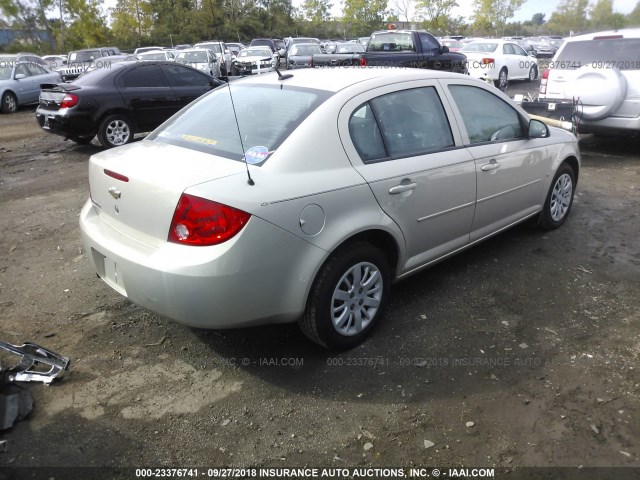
[(37, 364), (34, 363)]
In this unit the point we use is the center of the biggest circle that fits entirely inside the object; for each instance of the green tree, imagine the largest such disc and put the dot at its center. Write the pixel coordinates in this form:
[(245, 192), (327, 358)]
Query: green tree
[(604, 18), (538, 19), (131, 22), (491, 16), (364, 16), (436, 14), (316, 11), (633, 19), (87, 26), (569, 17), (29, 16)]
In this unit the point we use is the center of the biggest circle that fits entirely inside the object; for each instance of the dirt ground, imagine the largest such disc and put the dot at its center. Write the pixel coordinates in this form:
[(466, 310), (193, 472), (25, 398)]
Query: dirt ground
[(533, 337)]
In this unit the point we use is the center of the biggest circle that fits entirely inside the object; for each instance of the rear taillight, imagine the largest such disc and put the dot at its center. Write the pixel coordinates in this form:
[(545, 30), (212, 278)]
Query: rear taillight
[(363, 62), (201, 222), (487, 61), (69, 100), (543, 81)]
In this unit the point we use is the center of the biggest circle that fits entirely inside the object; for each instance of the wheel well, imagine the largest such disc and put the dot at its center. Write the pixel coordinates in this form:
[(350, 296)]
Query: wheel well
[(380, 239), (573, 163)]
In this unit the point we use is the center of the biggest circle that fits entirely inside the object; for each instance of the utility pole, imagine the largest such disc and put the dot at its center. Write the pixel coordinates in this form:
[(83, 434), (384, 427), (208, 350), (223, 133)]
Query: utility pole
[(61, 29)]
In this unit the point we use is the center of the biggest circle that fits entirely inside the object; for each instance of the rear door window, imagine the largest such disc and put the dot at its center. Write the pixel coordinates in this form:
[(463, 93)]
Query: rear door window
[(180, 76), (143, 76)]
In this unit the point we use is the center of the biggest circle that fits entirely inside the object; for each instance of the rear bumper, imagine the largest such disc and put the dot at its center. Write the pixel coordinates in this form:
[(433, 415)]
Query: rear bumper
[(260, 276), (65, 123)]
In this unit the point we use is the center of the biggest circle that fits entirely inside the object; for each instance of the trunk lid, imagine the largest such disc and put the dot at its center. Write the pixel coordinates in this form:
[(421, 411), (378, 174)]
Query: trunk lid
[(142, 204)]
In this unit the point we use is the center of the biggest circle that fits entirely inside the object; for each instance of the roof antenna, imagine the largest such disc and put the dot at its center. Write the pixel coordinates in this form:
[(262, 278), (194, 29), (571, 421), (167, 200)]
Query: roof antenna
[(244, 156), (281, 76)]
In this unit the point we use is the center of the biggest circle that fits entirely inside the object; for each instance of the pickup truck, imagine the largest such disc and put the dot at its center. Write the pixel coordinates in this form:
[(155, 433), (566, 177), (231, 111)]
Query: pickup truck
[(411, 49)]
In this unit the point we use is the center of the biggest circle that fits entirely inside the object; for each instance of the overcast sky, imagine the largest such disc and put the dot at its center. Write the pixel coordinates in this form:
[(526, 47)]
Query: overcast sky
[(465, 7)]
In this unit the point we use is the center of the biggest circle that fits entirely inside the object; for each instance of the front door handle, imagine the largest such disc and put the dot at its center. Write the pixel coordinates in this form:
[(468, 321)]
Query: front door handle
[(492, 165), (402, 188)]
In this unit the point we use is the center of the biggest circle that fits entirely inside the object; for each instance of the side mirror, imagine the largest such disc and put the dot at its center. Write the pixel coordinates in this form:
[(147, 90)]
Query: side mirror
[(282, 52), (20, 76), (445, 49), (537, 129)]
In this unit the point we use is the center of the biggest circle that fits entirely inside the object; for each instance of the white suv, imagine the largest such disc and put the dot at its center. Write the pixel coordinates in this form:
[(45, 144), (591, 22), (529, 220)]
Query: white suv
[(600, 72)]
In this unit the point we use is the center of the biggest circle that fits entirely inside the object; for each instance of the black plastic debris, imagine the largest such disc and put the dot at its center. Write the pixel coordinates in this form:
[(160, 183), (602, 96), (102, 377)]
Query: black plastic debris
[(16, 404)]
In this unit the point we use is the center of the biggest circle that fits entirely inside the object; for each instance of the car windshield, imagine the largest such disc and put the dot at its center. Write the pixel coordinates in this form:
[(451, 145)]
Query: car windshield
[(255, 52), (214, 47), (87, 56), (266, 115), (349, 48), (192, 57), (153, 56), (479, 47), (303, 50), (452, 43), (619, 53)]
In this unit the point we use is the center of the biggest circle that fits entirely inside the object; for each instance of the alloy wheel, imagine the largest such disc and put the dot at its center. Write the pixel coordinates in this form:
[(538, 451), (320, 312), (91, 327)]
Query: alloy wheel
[(561, 197), (356, 299), (118, 132)]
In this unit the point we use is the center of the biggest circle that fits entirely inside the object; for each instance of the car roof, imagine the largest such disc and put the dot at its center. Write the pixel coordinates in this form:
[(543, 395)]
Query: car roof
[(334, 80), (625, 33)]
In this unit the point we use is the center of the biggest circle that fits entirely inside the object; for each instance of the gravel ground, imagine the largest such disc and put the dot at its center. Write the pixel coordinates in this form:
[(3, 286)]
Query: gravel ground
[(521, 352)]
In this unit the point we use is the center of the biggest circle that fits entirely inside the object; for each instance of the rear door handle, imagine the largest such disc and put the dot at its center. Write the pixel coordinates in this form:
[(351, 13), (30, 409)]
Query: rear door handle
[(492, 165), (402, 188)]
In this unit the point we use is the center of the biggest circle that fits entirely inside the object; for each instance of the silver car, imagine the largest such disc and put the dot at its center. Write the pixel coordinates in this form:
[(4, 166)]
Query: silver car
[(284, 198), (20, 82)]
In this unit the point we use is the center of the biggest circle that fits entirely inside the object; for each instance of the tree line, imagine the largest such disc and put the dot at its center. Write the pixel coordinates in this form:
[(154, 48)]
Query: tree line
[(75, 24)]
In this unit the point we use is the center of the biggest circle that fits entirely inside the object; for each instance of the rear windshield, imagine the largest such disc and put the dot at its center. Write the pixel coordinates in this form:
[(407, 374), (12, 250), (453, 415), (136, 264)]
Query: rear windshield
[(620, 53), (153, 56), (394, 41), (479, 47), (304, 50), (255, 52), (266, 116), (214, 47), (87, 56), (192, 57), (349, 48)]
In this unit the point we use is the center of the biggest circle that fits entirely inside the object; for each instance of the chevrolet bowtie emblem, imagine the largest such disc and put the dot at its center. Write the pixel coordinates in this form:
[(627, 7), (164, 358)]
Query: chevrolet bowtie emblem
[(115, 193)]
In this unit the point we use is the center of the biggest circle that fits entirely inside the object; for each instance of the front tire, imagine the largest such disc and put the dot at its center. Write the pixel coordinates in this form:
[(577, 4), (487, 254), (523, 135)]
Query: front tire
[(115, 130), (9, 103), (559, 199), (82, 140), (348, 297)]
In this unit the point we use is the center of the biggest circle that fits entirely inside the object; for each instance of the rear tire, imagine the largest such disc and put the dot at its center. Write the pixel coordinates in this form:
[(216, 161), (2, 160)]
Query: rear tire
[(559, 199), (9, 103), (115, 130), (348, 297), (533, 74)]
